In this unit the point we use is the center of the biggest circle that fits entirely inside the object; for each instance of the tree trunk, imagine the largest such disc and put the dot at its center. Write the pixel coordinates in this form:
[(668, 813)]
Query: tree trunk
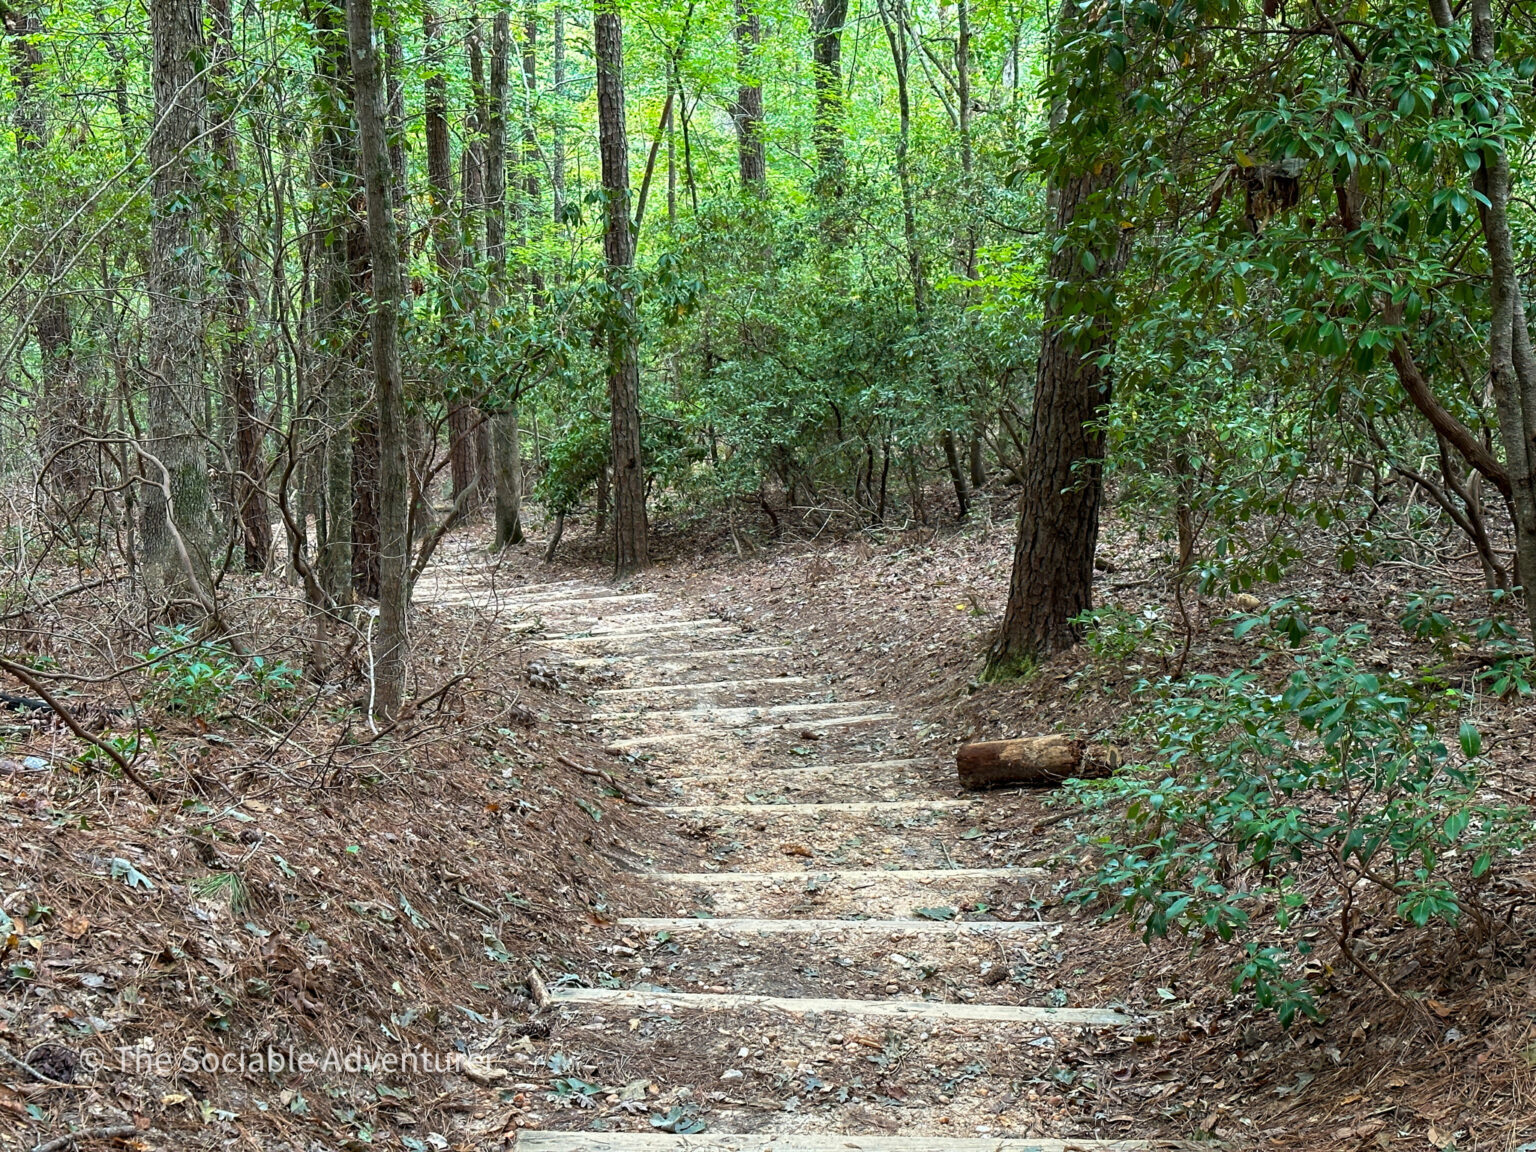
[(1033, 760), (629, 524), (1511, 357), (472, 159), (827, 20), (557, 149), (176, 527), (507, 468), (978, 463), (1058, 531), (748, 112), (60, 423), (238, 371), (530, 159), (391, 643), (340, 264), (445, 240)]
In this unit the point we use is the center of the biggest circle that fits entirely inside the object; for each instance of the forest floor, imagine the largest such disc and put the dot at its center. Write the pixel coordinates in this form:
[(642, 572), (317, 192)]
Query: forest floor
[(727, 780)]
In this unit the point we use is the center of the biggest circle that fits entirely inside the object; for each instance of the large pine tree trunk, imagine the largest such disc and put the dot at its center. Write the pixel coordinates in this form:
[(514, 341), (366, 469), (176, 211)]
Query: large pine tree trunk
[(238, 371), (1063, 477), (629, 525), (391, 642), (176, 525)]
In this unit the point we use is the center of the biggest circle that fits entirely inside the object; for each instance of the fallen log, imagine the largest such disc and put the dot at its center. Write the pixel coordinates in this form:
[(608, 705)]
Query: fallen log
[(1033, 760)]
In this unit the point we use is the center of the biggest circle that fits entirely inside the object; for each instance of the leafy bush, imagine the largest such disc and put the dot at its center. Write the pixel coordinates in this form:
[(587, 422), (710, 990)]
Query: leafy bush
[(1118, 636), (1277, 804), (191, 677)]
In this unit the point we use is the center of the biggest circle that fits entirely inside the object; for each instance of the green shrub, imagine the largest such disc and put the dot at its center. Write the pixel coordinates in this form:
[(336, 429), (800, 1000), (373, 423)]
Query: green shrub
[(1282, 800), (191, 677)]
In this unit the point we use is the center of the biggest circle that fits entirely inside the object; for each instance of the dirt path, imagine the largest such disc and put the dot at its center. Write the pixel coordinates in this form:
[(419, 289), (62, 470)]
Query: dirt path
[(827, 960)]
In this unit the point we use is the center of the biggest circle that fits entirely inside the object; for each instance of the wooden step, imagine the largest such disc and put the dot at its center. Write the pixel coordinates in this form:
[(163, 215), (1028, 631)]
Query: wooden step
[(785, 769), (529, 1141), (682, 660), (800, 1006), (812, 809), (705, 686), (732, 713), (564, 640), (646, 628), (746, 926), (758, 730), (861, 875), (596, 596)]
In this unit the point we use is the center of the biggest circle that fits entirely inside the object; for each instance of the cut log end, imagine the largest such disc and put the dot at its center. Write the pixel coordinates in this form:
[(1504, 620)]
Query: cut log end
[(1043, 760)]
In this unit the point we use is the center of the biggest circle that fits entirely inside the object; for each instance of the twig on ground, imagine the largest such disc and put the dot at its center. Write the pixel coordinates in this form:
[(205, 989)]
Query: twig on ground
[(24, 674), (31, 1071), (70, 1139), (601, 775)]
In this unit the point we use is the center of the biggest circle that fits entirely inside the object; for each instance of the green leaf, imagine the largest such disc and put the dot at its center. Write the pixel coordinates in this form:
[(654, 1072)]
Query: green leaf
[(125, 871), (1471, 740)]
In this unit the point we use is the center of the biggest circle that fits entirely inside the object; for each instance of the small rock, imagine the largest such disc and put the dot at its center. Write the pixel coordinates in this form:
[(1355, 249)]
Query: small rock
[(732, 1074), (34, 764)]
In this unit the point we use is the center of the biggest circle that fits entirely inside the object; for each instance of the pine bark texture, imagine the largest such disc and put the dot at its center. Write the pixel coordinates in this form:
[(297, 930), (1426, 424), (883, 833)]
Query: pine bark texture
[(751, 155), (1049, 759), (391, 641), (827, 19), (176, 525), (1052, 579), (238, 371), (341, 260), (629, 523)]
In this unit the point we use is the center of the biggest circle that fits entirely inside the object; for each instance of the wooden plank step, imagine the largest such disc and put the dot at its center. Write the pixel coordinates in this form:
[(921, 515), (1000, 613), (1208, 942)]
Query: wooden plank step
[(759, 730), (597, 596), (736, 712), (811, 809), (799, 1006), (530, 1141), (775, 769), (705, 686), (746, 926), (675, 657), (646, 628), (851, 875), (562, 640)]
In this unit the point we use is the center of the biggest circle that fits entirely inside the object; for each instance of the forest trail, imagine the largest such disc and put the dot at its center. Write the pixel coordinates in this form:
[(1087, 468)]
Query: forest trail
[(804, 979)]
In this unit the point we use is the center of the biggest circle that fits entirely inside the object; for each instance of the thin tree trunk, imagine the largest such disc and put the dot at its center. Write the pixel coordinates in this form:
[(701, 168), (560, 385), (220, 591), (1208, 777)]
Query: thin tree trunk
[(445, 240), (748, 112), (239, 374), (60, 425), (557, 150), (391, 643), (629, 523), (827, 19), (177, 526), (339, 261), (1511, 358), (505, 435)]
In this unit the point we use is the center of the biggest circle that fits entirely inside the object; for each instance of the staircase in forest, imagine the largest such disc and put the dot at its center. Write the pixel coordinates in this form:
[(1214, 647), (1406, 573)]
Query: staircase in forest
[(809, 981)]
